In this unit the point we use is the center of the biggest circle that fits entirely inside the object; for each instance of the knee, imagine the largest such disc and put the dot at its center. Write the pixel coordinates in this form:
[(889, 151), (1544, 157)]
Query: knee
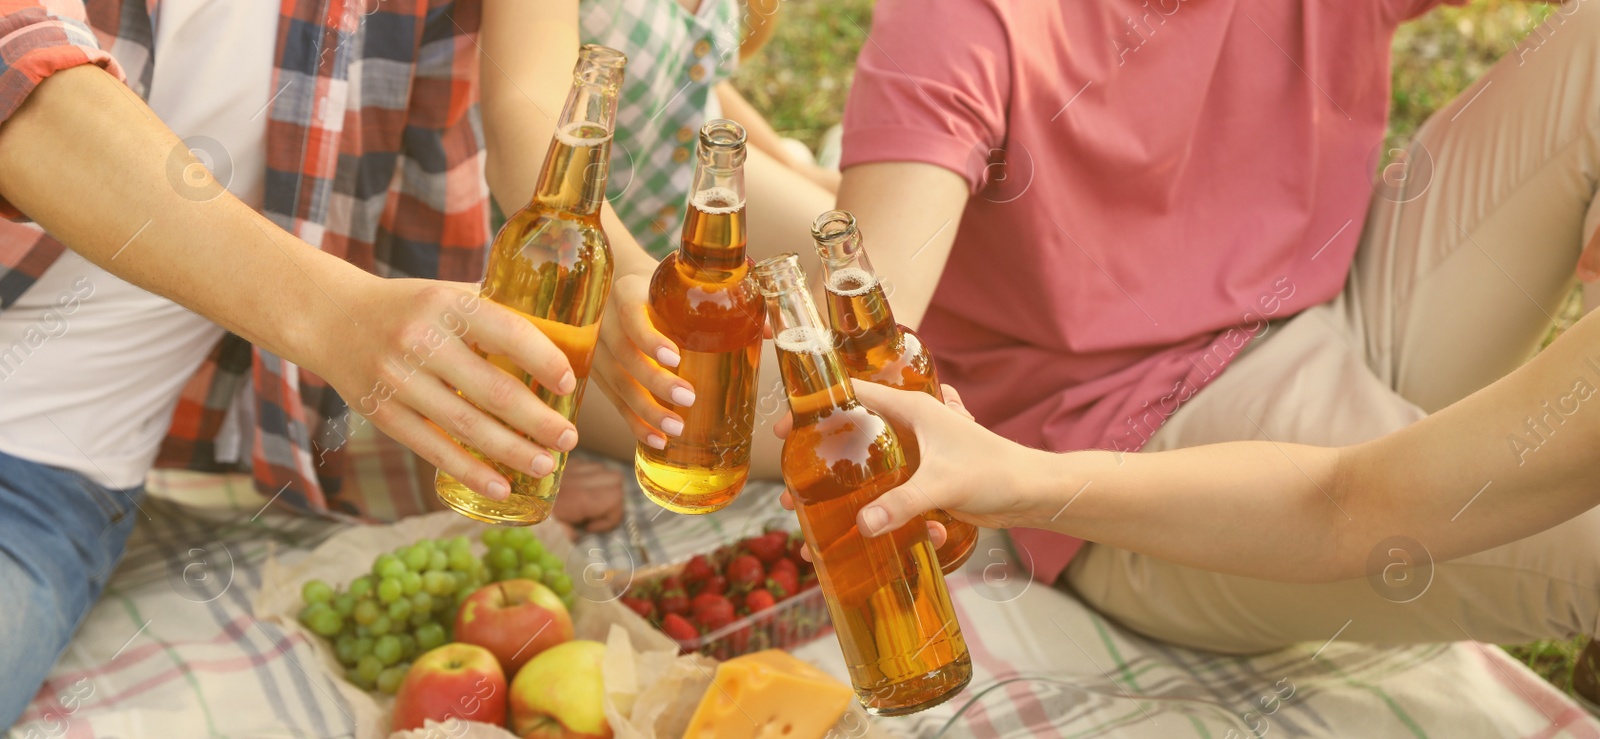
[(1572, 23)]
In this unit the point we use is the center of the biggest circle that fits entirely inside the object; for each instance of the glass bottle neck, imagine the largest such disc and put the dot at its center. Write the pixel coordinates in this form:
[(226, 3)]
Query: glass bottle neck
[(857, 303), (714, 223), (574, 177), (813, 376), (578, 163)]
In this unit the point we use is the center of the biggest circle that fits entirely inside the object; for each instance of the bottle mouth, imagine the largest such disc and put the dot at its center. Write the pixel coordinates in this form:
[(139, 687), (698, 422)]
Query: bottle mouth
[(722, 135), (603, 56), (600, 66), (833, 226), (780, 274), (836, 237)]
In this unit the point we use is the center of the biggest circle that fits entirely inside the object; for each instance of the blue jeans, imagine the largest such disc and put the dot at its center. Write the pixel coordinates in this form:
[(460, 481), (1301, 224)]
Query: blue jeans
[(61, 535)]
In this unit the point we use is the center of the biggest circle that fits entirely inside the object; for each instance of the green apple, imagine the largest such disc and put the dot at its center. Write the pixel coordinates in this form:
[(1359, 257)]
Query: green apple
[(560, 694)]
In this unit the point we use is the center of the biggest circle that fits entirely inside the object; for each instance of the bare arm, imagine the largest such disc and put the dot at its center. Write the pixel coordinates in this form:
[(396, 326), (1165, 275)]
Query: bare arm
[(1473, 476), (908, 213), (87, 160), (528, 49)]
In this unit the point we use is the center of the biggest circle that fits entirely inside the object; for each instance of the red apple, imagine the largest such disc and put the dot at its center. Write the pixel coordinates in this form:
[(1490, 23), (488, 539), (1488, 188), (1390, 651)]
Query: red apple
[(458, 681), (560, 694), (515, 620)]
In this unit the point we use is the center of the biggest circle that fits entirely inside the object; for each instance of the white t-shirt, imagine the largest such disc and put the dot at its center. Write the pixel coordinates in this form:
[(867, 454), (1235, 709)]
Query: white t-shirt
[(91, 366)]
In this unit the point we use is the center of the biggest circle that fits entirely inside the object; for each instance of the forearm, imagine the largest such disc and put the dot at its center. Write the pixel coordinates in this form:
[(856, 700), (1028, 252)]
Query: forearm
[(91, 164), (528, 51), (760, 134), (1507, 462), (908, 213), (1251, 508)]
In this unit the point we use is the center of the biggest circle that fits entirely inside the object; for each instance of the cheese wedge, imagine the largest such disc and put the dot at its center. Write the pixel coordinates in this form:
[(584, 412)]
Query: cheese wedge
[(769, 695)]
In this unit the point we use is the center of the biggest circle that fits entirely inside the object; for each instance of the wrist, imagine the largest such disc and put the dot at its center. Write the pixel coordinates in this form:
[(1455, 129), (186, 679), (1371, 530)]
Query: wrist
[(1026, 473), (628, 256), (319, 308), (1046, 485)]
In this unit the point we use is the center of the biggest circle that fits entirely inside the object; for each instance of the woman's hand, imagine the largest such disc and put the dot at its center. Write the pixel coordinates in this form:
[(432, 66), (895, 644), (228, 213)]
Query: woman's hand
[(630, 364), (965, 469), (400, 352)]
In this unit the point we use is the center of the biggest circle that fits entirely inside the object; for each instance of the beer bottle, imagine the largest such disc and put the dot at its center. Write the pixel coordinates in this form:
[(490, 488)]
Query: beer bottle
[(552, 262), (702, 298), (891, 612), (876, 349)]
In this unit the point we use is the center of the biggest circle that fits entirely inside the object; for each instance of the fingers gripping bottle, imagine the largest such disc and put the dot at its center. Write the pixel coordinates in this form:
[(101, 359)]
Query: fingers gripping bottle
[(552, 262), (702, 298), (876, 349), (890, 609)]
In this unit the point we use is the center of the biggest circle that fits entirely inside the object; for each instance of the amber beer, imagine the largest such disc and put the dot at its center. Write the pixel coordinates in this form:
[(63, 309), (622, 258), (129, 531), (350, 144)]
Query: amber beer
[(702, 298), (888, 601), (876, 349), (552, 263)]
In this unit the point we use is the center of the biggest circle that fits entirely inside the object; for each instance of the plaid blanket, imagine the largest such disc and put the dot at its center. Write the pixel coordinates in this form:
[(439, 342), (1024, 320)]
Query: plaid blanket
[(173, 650)]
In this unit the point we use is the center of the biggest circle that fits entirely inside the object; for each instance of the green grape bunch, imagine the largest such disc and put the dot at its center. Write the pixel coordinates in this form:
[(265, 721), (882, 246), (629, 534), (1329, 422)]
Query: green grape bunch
[(406, 605), (515, 554)]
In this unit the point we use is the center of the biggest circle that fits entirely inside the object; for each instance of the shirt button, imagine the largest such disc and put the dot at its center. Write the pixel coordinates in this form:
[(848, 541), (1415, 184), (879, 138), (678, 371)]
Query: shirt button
[(684, 134), (702, 47), (681, 154), (697, 72), (660, 226), (667, 211)]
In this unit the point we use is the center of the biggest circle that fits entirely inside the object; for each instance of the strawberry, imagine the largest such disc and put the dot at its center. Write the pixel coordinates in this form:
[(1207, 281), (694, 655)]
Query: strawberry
[(644, 608), (723, 554), (759, 600), (679, 628), (745, 572), (715, 584), (674, 602), (782, 584), (738, 601), (706, 600), (698, 569), (769, 547), (785, 565), (716, 615), (670, 583)]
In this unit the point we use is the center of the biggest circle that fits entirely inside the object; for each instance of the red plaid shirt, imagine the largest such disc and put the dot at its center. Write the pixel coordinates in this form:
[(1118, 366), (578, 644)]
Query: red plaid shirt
[(374, 153)]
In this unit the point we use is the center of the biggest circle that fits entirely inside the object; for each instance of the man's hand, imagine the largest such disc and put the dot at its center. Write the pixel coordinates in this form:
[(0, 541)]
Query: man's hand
[(630, 364), (400, 352)]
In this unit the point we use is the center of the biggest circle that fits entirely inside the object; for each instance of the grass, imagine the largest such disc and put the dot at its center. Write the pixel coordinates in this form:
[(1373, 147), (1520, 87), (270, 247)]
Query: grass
[(800, 80)]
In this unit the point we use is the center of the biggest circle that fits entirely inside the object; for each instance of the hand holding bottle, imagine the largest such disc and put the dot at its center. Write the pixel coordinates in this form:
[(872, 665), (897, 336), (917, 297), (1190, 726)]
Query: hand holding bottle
[(630, 364), (400, 351), (966, 469)]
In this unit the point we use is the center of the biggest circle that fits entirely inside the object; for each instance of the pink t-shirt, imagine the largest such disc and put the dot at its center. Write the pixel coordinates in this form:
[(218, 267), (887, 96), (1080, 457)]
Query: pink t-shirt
[(1151, 183)]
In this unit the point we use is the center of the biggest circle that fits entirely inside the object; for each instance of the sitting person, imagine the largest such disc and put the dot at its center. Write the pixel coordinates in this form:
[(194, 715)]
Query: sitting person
[(1157, 227), (236, 302)]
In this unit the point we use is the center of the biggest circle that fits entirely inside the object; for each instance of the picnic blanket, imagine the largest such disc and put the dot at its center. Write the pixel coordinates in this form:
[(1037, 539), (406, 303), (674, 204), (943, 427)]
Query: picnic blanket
[(173, 650)]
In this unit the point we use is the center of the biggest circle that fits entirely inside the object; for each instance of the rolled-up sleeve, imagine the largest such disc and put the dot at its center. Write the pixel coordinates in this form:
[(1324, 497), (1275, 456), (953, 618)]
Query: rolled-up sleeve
[(37, 39)]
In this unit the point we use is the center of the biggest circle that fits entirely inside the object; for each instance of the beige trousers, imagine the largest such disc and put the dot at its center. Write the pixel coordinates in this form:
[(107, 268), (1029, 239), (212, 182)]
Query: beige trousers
[(1460, 269)]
